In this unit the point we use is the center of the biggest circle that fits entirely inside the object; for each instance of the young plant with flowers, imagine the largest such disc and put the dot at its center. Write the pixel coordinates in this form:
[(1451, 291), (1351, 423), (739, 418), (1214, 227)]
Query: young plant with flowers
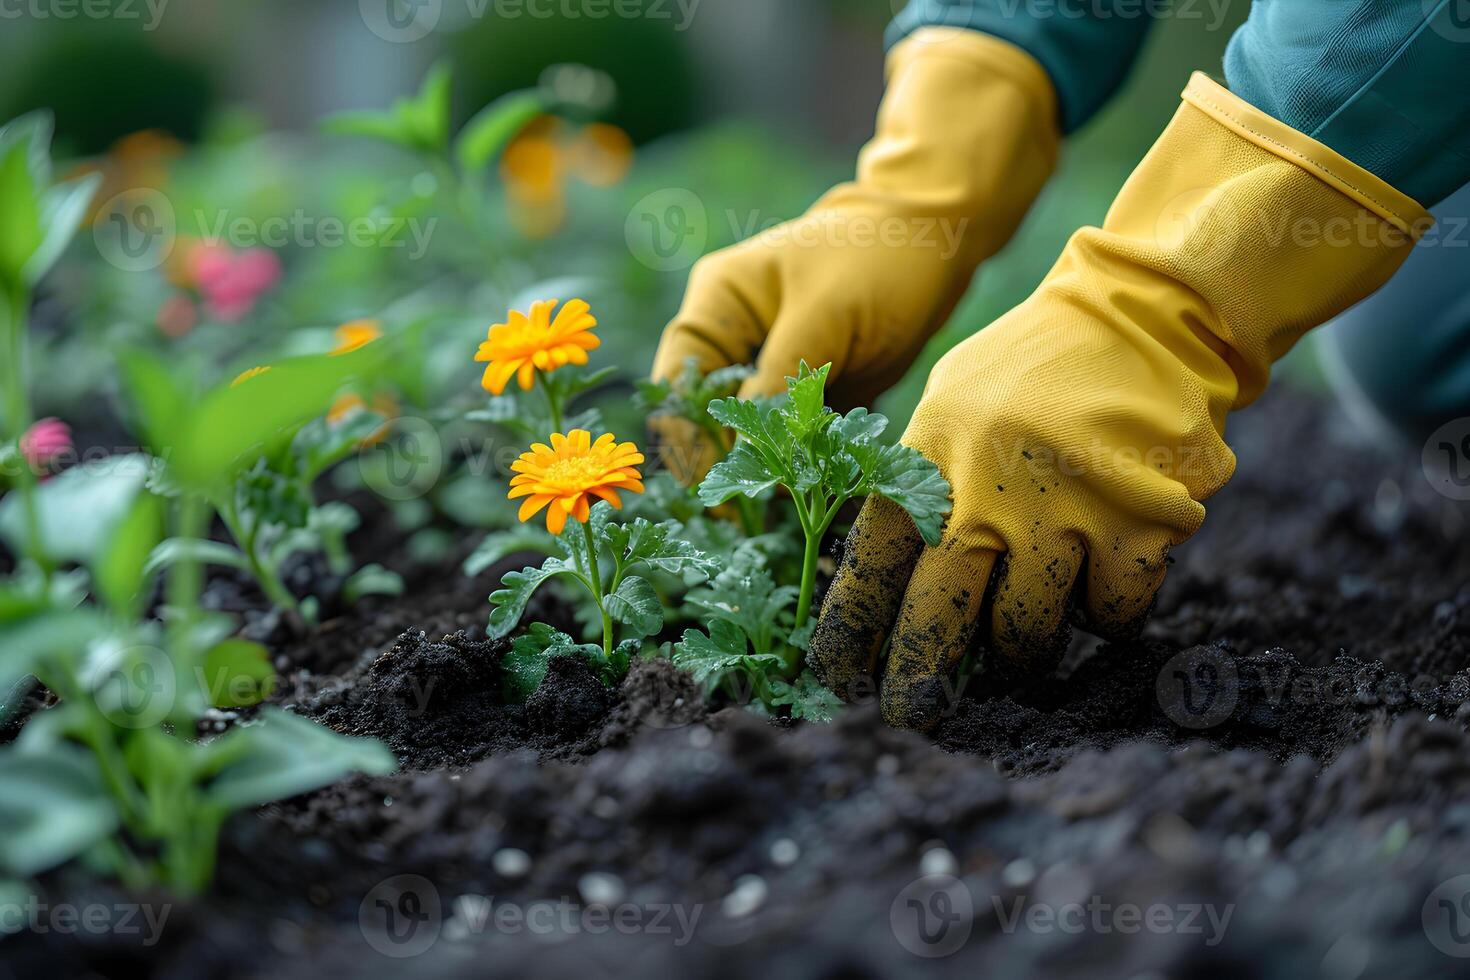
[(545, 349), (578, 482)]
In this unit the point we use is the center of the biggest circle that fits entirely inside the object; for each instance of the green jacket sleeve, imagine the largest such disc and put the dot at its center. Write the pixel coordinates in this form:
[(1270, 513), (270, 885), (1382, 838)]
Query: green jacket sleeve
[(1086, 48)]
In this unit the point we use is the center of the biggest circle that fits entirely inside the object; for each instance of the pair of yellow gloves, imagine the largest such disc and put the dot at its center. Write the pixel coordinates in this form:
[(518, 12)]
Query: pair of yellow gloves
[(1081, 431)]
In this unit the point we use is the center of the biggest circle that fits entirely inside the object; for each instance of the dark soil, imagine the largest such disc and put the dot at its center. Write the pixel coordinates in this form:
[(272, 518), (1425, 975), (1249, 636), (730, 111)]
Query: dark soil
[(1272, 782)]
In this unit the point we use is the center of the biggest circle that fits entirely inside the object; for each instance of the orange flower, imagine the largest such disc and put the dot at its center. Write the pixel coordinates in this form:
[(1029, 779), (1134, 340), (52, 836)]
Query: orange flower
[(571, 471), (356, 335), (528, 344), (249, 373)]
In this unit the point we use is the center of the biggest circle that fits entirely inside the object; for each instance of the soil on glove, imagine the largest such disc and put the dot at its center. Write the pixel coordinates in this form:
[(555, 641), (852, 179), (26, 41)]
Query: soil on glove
[(1273, 781)]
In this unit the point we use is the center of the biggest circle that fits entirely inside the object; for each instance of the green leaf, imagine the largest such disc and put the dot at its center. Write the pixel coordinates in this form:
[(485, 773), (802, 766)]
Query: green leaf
[(161, 401), (709, 656), (525, 664), (79, 509), (805, 409), (659, 547), (905, 477), (510, 600), (232, 421), (21, 233), (54, 805), (63, 209), (119, 572), (744, 471), (807, 698), (285, 755), (746, 595), (371, 124), (171, 551), (499, 545), (493, 127), (238, 674), (372, 579), (637, 605), (429, 112), (28, 643)]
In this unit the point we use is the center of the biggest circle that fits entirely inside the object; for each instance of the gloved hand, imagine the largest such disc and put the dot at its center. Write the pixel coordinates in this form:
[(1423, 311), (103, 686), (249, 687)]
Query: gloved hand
[(1082, 430), (966, 137)]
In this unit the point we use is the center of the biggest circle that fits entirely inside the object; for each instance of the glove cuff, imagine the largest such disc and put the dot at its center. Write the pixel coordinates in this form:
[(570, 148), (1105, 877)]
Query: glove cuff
[(1274, 136), (967, 133)]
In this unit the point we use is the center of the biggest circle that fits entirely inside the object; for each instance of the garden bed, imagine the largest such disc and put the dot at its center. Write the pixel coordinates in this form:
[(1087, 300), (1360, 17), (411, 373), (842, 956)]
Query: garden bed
[(1300, 828)]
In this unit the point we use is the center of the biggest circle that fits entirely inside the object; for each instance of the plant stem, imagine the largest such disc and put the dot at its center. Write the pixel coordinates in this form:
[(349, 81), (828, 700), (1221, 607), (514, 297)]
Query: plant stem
[(808, 575), (18, 414), (594, 576), (551, 402), (270, 582)]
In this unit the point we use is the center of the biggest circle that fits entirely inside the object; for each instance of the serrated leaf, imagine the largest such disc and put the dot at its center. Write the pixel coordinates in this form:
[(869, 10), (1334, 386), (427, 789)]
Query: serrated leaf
[(905, 477), (636, 604), (746, 595), (805, 410), (807, 698), (709, 655), (744, 471), (657, 546), (525, 664), (510, 600)]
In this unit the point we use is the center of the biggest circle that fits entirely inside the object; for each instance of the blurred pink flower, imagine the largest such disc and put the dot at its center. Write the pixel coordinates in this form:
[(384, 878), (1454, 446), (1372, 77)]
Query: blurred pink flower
[(44, 441), (231, 282)]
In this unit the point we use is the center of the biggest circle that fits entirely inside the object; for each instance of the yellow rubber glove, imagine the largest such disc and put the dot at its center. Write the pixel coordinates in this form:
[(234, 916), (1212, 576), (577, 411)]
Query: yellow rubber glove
[(966, 136), (1082, 430)]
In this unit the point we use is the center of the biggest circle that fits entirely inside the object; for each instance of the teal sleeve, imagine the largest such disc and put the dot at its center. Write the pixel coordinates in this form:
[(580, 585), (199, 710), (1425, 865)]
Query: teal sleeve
[(1086, 47), (1386, 83)]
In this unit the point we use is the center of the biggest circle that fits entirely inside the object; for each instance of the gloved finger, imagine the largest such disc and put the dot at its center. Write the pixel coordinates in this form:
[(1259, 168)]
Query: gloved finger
[(862, 601), (803, 331), (1032, 598), (1123, 578), (940, 611), (728, 305)]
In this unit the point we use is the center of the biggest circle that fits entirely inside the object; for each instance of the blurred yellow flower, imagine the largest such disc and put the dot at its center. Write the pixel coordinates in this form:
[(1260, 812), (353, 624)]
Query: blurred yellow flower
[(356, 335), (565, 476), (527, 344), (350, 404), (249, 373)]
